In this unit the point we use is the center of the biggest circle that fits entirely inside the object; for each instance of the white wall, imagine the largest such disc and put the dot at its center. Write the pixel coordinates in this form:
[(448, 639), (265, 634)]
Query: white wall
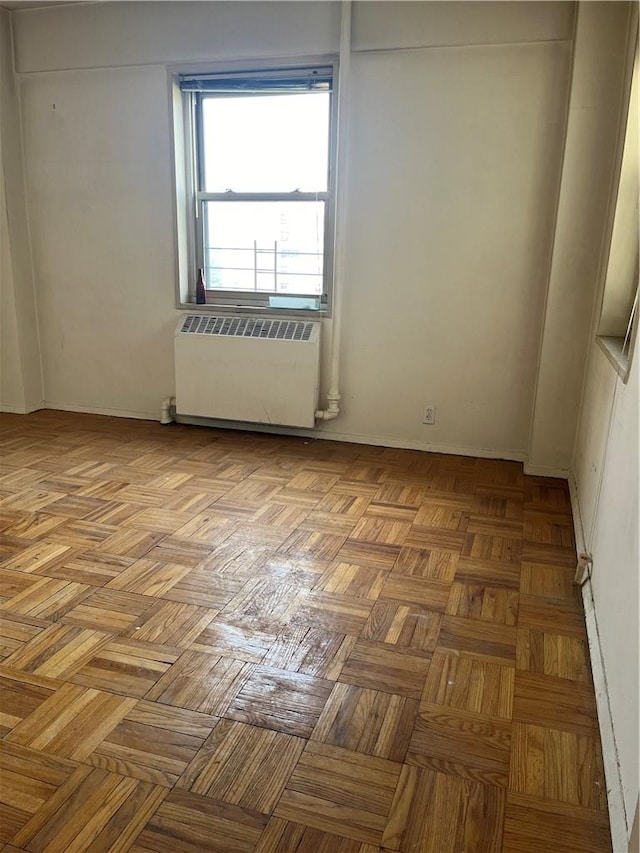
[(20, 372), (455, 155), (11, 385), (606, 471), (597, 84)]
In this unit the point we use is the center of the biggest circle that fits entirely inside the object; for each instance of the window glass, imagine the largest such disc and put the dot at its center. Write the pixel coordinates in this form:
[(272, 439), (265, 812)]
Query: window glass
[(265, 246), (266, 143)]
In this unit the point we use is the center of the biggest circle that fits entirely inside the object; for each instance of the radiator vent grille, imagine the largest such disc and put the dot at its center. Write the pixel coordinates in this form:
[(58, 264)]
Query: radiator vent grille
[(246, 327)]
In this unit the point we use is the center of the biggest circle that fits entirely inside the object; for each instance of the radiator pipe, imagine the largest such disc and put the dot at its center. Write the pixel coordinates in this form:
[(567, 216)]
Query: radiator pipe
[(333, 396), (168, 404)]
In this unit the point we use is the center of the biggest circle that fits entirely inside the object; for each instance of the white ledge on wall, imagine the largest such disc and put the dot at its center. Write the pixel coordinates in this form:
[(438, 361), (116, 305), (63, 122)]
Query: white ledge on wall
[(614, 349)]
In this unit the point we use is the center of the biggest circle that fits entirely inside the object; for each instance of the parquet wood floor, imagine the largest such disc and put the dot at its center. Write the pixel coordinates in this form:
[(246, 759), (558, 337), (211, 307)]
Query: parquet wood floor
[(237, 643)]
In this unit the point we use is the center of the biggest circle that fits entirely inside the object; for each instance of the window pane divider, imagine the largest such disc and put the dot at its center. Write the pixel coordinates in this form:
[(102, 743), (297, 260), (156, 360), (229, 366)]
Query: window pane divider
[(276, 196)]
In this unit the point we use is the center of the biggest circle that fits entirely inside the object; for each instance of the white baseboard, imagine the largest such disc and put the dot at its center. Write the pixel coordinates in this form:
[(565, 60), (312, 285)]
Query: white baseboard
[(352, 438), (22, 410), (95, 410), (356, 438), (615, 797), (543, 471), (578, 527)]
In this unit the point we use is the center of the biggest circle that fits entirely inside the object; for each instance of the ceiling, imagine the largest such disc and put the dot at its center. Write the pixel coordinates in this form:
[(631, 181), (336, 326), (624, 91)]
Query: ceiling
[(15, 5)]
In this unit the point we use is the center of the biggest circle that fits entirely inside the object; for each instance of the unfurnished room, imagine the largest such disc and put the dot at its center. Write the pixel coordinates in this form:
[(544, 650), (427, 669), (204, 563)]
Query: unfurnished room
[(319, 426)]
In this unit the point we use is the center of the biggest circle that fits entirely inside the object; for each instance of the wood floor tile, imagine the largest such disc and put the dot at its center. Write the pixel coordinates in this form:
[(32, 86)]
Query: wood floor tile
[(31, 500), (15, 631), (201, 682), (350, 506), (560, 655), (411, 590), (498, 605), (461, 744), (437, 514), (149, 577), (290, 517), (109, 610), (486, 525), (322, 546), (71, 722), (495, 548), (159, 520), (340, 614), (126, 666), (561, 766), (470, 685), (403, 625), (357, 581), (171, 623), (481, 640), (288, 702), (48, 598), (127, 542), (377, 529), (435, 538), (40, 557), (153, 743), (546, 616), (549, 582), (533, 824), (437, 813), (555, 702), (58, 651), (367, 721), (498, 503), (310, 651), (224, 640), (263, 602), (534, 552), (283, 836), (203, 587), (243, 765), (20, 695), (488, 573), (427, 563), (189, 823), (252, 643), (29, 779), (12, 583), (341, 792), (377, 667), (95, 809), (376, 556), (398, 493), (90, 567), (548, 528), (209, 528), (84, 533), (33, 525), (546, 495)]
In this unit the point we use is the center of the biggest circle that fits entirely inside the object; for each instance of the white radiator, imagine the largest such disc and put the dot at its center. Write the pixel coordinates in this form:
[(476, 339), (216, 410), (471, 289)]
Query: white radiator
[(243, 369)]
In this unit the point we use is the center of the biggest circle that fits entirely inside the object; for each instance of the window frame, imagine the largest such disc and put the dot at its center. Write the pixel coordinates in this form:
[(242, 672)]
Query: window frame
[(188, 178), (619, 348)]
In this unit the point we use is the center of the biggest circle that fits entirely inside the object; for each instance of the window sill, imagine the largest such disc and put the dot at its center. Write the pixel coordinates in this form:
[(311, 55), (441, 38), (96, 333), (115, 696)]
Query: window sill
[(255, 311), (612, 348)]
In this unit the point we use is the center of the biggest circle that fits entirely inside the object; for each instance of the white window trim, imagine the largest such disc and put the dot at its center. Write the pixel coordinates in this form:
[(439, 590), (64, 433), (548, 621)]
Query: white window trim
[(184, 191)]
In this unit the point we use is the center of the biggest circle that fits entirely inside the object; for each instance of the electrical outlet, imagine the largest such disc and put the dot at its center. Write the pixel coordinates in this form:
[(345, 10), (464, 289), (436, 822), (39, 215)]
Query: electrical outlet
[(429, 414)]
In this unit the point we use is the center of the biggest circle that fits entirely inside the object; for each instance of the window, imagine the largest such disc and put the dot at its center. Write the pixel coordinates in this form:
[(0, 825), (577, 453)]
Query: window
[(619, 310), (260, 155)]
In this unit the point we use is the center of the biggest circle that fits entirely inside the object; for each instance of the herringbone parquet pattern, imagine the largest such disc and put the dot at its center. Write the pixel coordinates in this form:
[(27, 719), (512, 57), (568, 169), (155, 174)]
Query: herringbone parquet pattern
[(237, 643)]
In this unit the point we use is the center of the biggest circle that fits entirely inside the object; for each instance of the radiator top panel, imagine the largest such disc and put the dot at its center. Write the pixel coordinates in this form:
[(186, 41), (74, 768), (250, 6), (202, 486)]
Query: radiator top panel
[(247, 327)]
